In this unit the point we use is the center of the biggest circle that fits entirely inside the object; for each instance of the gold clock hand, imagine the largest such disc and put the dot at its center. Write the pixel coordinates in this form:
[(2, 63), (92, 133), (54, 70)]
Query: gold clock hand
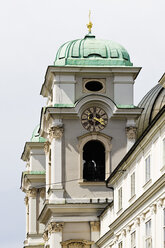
[(99, 120)]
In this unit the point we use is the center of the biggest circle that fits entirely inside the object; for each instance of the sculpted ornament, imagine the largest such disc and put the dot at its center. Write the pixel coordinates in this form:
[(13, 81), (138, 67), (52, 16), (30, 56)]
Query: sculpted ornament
[(76, 243), (45, 236), (26, 199), (56, 132), (131, 132), (95, 226), (55, 227), (137, 221), (32, 192), (42, 193), (46, 146), (153, 209)]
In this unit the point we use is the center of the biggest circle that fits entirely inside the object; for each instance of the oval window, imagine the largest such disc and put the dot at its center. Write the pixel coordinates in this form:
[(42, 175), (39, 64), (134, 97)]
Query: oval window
[(93, 86)]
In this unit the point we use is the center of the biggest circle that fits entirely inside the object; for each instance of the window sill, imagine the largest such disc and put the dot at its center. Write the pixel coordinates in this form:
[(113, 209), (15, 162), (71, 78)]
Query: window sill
[(147, 183), (85, 183), (132, 198)]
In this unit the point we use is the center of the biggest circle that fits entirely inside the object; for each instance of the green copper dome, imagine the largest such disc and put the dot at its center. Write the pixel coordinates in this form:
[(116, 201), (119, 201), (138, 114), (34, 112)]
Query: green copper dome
[(92, 52), (36, 136)]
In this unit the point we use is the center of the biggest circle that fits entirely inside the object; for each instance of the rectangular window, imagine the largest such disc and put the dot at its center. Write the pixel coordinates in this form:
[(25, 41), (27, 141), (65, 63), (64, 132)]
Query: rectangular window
[(120, 245), (133, 184), (120, 198), (147, 169), (164, 227), (148, 239), (133, 240)]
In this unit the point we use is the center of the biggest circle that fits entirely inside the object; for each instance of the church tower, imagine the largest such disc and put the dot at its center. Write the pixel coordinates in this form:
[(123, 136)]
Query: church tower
[(86, 128)]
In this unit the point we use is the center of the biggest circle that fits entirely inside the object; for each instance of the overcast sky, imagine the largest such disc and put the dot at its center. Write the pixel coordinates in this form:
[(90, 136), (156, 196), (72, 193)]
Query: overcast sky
[(31, 31)]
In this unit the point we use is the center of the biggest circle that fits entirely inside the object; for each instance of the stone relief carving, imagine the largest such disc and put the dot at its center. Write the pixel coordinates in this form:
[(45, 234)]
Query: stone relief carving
[(131, 132), (76, 243), (42, 193), (46, 146), (56, 132), (55, 227), (32, 192)]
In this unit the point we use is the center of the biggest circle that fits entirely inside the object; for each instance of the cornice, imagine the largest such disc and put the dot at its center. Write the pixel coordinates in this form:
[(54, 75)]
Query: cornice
[(28, 146), (85, 209)]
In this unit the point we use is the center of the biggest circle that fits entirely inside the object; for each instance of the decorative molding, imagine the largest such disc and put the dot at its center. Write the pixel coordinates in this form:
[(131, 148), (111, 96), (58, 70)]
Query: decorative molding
[(55, 227), (32, 192), (142, 217), (42, 193), (26, 200), (95, 226), (77, 243), (46, 147), (153, 209), (131, 132), (45, 236), (160, 203), (123, 232), (128, 229), (137, 222), (56, 132)]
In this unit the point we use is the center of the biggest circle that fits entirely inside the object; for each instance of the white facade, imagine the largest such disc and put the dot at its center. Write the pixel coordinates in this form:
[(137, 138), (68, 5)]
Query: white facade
[(95, 185)]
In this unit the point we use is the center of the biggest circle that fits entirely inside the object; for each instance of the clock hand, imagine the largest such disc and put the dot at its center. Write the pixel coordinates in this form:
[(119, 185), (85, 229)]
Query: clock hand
[(99, 120)]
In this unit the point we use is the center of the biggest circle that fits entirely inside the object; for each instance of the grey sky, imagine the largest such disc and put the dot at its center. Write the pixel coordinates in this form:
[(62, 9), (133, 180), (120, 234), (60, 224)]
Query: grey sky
[(31, 31)]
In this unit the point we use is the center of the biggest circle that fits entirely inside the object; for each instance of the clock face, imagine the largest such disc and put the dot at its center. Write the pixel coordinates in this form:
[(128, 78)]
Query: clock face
[(94, 119)]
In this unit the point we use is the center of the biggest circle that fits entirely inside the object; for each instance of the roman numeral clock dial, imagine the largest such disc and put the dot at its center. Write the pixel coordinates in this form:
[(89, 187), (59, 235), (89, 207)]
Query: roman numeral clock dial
[(94, 119)]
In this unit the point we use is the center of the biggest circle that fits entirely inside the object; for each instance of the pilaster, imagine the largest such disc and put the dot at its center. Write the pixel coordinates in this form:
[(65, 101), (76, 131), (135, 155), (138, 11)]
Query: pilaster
[(131, 136), (55, 232), (95, 231), (57, 191), (32, 193), (46, 149)]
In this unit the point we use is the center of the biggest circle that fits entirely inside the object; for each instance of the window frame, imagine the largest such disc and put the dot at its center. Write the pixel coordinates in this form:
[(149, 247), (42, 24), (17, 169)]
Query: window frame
[(120, 198), (133, 245), (133, 192), (106, 141), (148, 235), (147, 166)]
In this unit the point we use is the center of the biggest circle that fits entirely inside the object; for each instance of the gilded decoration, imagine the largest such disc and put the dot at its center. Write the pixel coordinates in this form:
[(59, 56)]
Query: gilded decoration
[(131, 132), (56, 132), (55, 227), (77, 243)]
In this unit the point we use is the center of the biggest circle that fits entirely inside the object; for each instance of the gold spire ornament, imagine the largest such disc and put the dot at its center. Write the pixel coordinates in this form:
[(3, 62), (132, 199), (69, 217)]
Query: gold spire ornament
[(89, 25)]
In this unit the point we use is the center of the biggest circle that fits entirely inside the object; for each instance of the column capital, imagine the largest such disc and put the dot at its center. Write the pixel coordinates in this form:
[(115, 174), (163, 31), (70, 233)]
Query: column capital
[(137, 222), (42, 192), (123, 232), (160, 203), (153, 208), (128, 229), (56, 132), (32, 192), (131, 132), (142, 217), (46, 146), (55, 227), (95, 226)]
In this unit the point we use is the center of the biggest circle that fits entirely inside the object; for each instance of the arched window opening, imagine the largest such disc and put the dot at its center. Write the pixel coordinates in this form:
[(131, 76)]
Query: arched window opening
[(94, 161)]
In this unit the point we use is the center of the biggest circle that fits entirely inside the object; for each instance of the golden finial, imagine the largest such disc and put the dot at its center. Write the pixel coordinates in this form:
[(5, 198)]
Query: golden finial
[(89, 25)]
